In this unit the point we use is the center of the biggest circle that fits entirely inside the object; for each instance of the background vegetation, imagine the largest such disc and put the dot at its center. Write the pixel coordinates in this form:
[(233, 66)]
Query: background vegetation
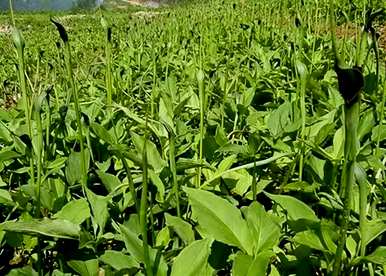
[(200, 139)]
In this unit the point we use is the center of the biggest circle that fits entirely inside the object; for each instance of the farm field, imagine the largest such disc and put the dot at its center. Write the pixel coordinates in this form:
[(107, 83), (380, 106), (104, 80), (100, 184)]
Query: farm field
[(202, 138)]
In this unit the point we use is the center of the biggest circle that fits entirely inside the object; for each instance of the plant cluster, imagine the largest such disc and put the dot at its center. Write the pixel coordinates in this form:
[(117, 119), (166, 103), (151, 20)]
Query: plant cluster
[(209, 139)]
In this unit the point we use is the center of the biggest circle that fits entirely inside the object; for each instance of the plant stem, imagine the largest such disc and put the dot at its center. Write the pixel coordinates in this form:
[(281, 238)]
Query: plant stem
[(350, 153), (75, 95), (200, 80), (172, 160), (143, 209)]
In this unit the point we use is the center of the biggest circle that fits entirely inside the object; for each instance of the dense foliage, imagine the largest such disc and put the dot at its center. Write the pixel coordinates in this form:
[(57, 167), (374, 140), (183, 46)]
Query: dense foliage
[(202, 139)]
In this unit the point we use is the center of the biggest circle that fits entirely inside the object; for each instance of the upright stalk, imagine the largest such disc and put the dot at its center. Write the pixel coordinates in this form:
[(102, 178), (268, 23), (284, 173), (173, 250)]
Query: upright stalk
[(200, 80), (19, 43), (109, 76), (75, 95), (173, 169), (350, 152), (144, 205)]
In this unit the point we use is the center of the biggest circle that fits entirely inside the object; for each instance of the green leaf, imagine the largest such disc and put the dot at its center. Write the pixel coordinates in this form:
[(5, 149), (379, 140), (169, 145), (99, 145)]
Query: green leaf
[(193, 259), (372, 229), (57, 228), (76, 211), (220, 219), (295, 208), (265, 228), (135, 247), (380, 131), (245, 265), (156, 181), (85, 268), (133, 243), (181, 227), (99, 209), (118, 260), (163, 237), (25, 271), (5, 198), (153, 156), (6, 155), (102, 133), (110, 181), (284, 119), (311, 239), (73, 168), (57, 163), (378, 256)]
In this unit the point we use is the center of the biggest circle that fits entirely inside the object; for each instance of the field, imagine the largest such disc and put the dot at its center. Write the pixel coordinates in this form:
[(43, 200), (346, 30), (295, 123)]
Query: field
[(205, 138)]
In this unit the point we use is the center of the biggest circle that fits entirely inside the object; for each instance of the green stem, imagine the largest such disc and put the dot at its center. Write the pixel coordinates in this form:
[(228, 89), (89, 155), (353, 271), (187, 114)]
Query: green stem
[(172, 160), (143, 209), (350, 153), (75, 95), (200, 80)]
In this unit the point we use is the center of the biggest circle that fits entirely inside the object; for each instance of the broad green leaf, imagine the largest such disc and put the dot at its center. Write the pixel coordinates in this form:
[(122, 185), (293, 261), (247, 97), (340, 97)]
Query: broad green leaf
[(156, 127), (76, 211), (311, 239), (153, 156), (265, 228), (181, 227), (220, 219), (380, 131), (295, 208), (166, 111), (110, 181), (133, 243), (85, 268), (245, 265), (57, 163), (57, 228), (6, 155), (284, 119), (156, 181), (99, 210), (73, 168), (372, 230), (238, 181), (193, 259), (135, 247), (102, 133), (5, 198), (25, 271), (118, 260), (163, 237), (378, 256)]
